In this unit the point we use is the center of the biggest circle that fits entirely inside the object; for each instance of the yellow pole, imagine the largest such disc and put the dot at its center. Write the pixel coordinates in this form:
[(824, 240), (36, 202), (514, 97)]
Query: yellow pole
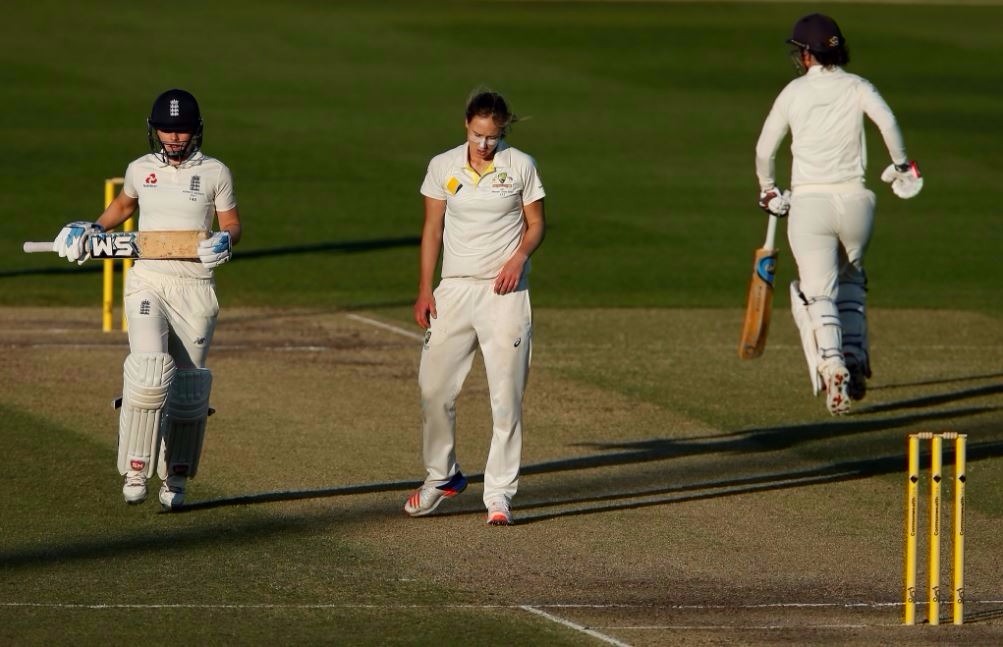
[(959, 528), (130, 225), (936, 468), (107, 302), (911, 524)]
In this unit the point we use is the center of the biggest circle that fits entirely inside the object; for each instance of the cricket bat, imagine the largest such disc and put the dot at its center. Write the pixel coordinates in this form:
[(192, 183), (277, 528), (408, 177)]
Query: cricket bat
[(159, 245), (759, 303)]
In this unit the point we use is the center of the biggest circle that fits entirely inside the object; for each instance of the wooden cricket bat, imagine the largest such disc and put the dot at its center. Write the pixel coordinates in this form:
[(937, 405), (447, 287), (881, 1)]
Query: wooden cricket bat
[(759, 304), (178, 245)]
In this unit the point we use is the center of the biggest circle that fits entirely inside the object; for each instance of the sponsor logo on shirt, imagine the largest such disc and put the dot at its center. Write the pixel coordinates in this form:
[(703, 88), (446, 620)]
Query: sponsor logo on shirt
[(151, 180), (453, 186)]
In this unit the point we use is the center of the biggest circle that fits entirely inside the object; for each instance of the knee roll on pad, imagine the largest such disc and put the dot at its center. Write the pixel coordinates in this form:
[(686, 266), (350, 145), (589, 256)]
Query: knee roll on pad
[(145, 385), (184, 423)]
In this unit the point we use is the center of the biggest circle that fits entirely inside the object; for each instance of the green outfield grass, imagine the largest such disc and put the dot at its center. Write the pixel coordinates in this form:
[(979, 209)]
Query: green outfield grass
[(642, 117)]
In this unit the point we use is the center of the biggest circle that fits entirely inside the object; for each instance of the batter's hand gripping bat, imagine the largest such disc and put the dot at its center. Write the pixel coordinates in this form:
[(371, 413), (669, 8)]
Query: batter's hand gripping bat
[(760, 300), (136, 244)]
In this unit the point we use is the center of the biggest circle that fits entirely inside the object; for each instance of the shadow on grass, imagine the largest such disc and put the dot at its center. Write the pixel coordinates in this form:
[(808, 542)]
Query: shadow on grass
[(947, 380), (933, 400), (834, 473), (622, 454)]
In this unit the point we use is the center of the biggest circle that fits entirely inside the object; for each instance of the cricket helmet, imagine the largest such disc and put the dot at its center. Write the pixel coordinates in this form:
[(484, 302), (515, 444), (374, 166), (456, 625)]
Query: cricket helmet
[(817, 33), (175, 111)]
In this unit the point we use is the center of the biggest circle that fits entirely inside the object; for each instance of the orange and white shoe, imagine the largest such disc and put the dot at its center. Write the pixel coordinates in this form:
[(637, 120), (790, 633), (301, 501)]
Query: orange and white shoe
[(428, 497), (499, 512), (837, 391)]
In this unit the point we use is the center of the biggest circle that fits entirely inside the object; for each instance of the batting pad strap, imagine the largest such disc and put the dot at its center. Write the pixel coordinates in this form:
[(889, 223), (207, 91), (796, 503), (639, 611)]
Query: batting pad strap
[(146, 382), (185, 422)]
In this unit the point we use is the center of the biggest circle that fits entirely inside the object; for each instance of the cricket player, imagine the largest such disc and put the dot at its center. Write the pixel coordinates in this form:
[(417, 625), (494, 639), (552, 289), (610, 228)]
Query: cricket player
[(484, 213), (831, 210), (171, 305)]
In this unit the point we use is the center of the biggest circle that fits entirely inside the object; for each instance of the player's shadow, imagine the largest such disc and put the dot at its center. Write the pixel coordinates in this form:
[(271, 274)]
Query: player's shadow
[(932, 400), (946, 380), (645, 451), (697, 491)]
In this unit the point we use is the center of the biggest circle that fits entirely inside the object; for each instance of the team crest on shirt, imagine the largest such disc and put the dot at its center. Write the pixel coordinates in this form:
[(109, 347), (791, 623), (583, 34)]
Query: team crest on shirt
[(194, 191), (503, 183)]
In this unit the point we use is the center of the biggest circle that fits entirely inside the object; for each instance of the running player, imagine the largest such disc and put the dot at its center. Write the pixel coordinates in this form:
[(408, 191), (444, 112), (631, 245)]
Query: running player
[(831, 211)]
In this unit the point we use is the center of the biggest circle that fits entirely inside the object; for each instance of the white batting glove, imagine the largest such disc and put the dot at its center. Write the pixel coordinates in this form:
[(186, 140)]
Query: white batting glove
[(906, 180), (216, 249), (776, 202), (71, 242)]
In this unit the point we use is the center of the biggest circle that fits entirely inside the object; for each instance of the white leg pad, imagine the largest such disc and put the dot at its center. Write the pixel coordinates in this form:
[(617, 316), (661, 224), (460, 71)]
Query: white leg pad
[(828, 332), (852, 304), (799, 308), (184, 423), (147, 379)]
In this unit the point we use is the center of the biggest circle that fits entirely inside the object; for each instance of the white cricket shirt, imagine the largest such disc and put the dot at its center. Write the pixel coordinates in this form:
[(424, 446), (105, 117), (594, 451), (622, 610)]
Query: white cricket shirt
[(173, 198), (484, 221), (824, 111)]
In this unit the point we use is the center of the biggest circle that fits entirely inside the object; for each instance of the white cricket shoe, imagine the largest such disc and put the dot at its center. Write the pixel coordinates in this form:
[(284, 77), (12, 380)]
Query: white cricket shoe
[(134, 487), (837, 391), (499, 512), (428, 497), (172, 493)]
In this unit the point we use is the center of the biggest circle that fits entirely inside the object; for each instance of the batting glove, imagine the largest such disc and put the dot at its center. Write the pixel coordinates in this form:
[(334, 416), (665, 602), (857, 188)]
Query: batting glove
[(775, 202), (216, 249), (906, 179), (71, 242)]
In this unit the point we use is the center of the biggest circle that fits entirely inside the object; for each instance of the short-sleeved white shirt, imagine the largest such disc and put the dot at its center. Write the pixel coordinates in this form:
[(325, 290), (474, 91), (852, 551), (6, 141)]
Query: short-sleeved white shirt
[(484, 217), (173, 198), (824, 110)]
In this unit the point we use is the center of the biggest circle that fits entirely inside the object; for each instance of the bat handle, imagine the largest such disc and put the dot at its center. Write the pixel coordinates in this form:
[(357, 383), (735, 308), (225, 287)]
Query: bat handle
[(771, 233), (32, 247)]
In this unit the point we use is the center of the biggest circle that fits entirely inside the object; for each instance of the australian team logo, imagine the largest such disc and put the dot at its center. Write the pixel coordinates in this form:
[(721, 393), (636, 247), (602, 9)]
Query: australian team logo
[(502, 182)]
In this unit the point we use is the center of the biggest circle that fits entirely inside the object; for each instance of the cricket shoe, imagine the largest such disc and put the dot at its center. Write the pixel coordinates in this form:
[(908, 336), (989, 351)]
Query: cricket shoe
[(499, 512), (428, 497), (837, 391), (134, 487), (172, 493), (857, 388)]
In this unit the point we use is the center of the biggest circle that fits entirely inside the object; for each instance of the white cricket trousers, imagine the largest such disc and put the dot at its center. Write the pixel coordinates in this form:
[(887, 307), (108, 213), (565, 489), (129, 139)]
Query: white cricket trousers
[(828, 229), (471, 315), (171, 314)]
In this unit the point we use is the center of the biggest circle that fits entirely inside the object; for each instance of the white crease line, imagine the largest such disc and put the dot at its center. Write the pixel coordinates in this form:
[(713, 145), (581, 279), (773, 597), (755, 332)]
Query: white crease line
[(738, 627), (386, 326), (577, 627)]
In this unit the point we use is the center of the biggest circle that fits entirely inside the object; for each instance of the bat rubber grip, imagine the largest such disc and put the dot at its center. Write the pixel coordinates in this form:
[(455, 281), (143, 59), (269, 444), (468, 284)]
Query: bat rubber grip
[(32, 247)]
